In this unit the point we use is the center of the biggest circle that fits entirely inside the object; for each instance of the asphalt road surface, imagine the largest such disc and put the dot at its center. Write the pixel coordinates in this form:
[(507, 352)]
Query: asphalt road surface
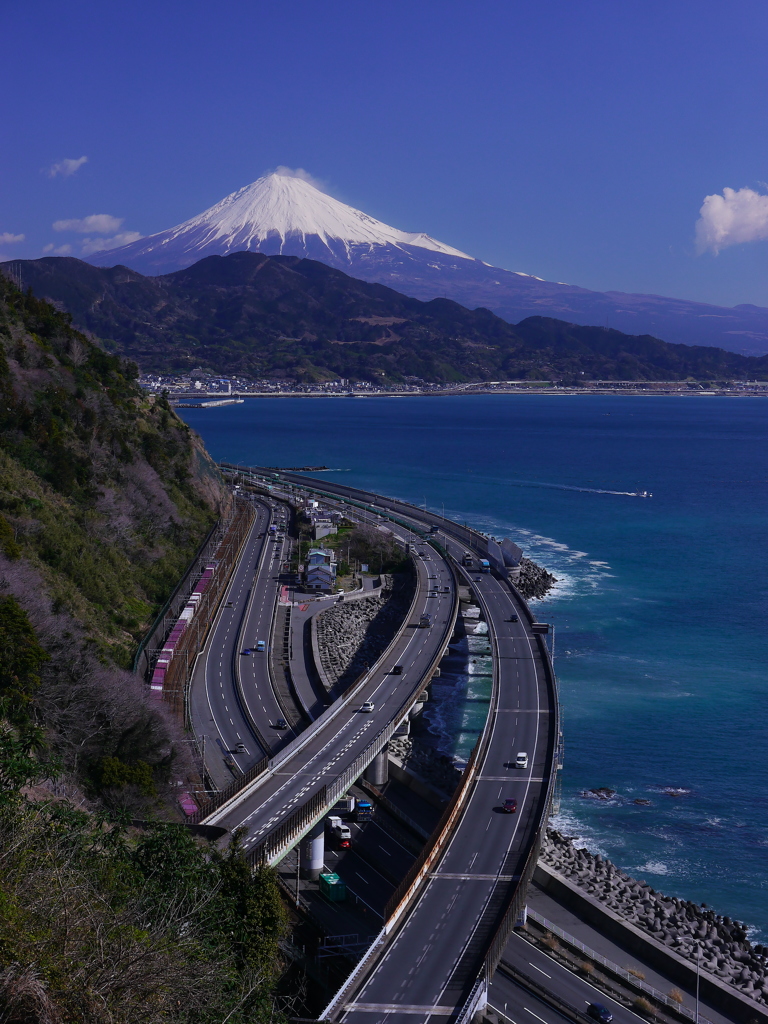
[(523, 1007), (432, 960), (219, 713), (329, 747)]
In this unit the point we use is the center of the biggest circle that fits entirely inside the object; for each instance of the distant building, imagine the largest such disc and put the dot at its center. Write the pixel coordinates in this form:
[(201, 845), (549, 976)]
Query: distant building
[(322, 528)]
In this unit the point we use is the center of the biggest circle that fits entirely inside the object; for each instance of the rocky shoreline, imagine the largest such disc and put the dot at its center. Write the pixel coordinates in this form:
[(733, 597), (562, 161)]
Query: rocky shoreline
[(534, 580), (685, 927)]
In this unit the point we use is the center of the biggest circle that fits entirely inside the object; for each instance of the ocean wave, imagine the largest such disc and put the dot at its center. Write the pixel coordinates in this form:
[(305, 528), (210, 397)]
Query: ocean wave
[(582, 836), (651, 867), (577, 573)]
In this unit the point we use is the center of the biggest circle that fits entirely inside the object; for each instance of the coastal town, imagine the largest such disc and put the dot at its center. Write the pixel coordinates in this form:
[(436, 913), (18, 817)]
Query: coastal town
[(198, 385)]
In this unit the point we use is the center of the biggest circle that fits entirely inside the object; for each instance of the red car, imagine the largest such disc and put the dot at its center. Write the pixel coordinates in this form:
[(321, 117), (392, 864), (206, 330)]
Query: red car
[(510, 806)]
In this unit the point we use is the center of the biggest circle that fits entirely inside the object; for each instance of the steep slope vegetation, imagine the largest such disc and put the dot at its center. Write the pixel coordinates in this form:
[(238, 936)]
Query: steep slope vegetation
[(106, 493), (288, 317), (104, 496)]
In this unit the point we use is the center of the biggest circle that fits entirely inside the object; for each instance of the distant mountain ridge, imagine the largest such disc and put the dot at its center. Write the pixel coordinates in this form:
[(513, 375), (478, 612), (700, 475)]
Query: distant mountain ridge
[(282, 316), (283, 215)]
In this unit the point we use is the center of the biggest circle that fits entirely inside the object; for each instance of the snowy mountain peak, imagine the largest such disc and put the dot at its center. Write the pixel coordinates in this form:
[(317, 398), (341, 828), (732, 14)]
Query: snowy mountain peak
[(278, 214)]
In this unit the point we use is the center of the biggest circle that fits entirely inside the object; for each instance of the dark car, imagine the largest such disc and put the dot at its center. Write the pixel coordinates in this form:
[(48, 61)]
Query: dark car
[(397, 670), (513, 618), (247, 651), (510, 805), (599, 1012), (281, 724)]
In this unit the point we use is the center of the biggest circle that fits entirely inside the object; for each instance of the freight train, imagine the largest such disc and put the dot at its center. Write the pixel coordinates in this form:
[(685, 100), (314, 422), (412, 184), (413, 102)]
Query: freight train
[(179, 627)]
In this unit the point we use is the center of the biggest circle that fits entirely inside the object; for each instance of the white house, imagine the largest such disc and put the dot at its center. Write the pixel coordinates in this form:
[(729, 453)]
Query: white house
[(321, 570)]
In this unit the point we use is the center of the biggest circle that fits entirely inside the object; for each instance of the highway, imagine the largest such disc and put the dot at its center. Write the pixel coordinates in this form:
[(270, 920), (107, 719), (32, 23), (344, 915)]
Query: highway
[(222, 711), (430, 965), (344, 732), (432, 958), (523, 1006)]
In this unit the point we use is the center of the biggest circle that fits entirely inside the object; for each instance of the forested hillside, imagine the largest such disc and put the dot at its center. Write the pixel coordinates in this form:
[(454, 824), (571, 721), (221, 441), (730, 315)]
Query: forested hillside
[(104, 496), (293, 318)]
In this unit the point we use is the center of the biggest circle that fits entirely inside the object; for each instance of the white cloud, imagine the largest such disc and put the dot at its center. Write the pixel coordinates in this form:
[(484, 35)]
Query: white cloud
[(91, 245), (61, 250), (66, 168), (731, 219), (6, 238), (299, 172), (98, 223)]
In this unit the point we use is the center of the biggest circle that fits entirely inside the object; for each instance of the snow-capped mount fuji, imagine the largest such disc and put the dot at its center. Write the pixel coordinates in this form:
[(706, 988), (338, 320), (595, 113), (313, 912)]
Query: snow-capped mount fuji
[(284, 214), (279, 215)]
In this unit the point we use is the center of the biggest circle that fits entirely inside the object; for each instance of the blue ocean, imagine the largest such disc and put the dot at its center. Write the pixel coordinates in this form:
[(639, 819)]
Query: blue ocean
[(659, 612)]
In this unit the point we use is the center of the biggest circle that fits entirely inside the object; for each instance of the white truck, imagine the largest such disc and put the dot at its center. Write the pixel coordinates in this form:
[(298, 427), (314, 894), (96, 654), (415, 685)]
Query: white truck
[(340, 832), (345, 805)]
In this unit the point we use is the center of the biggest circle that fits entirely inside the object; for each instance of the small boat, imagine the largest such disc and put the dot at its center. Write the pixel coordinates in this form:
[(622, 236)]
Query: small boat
[(643, 494)]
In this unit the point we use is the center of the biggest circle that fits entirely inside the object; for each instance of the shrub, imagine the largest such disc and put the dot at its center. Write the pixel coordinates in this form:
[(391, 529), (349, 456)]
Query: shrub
[(112, 773), (641, 1005)]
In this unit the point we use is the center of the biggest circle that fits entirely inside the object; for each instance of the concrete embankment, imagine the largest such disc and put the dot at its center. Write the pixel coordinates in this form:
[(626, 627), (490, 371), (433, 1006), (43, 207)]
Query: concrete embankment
[(350, 635), (666, 931)]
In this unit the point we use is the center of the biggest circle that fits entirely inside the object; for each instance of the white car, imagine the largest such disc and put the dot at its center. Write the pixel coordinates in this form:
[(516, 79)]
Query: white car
[(368, 705), (521, 761)]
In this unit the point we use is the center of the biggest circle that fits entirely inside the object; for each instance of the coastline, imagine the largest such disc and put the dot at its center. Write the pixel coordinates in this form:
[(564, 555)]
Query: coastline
[(715, 944), (705, 465), (549, 392)]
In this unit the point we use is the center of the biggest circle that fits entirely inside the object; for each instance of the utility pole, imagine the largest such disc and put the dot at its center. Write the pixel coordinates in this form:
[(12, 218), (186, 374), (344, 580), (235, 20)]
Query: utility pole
[(698, 968), (298, 867)]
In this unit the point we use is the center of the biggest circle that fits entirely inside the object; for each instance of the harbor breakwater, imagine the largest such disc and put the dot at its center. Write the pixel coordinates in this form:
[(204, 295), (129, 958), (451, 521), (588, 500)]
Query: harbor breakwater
[(694, 932), (534, 580)]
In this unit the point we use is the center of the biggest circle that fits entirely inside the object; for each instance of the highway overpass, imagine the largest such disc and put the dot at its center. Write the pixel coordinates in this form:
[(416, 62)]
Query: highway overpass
[(449, 921)]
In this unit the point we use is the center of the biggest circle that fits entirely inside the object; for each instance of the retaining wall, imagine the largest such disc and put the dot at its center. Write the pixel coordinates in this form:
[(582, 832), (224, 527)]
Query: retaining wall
[(663, 959)]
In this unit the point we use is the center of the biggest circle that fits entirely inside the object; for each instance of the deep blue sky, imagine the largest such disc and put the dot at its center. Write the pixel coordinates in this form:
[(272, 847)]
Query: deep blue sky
[(575, 141)]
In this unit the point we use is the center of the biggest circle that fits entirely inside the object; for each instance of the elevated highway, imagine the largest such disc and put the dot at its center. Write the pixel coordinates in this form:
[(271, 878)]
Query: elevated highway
[(307, 776), (447, 925)]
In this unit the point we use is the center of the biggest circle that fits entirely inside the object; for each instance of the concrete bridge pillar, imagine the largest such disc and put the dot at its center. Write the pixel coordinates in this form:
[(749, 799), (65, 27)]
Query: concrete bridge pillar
[(418, 707), (313, 852), (377, 771)]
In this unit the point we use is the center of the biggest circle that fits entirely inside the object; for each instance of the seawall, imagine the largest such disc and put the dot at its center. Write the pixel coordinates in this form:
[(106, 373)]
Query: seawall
[(665, 931)]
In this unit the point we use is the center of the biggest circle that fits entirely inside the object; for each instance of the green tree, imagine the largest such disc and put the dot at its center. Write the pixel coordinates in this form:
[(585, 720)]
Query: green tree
[(21, 658)]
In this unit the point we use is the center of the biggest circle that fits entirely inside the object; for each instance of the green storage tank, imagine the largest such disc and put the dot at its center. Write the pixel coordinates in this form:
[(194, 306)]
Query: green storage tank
[(333, 887)]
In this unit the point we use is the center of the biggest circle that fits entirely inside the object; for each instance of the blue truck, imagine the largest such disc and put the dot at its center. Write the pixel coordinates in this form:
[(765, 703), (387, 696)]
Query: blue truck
[(363, 810)]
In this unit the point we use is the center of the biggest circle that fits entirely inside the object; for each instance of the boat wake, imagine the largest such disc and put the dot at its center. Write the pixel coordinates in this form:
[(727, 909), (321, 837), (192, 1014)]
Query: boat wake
[(585, 490)]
